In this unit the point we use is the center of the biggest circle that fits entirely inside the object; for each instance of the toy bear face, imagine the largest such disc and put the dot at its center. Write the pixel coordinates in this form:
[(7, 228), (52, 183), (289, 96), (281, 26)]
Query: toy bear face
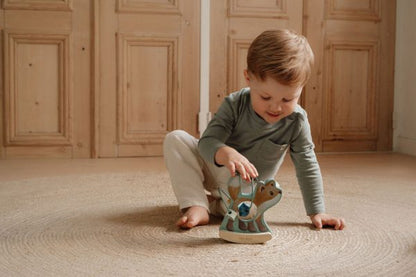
[(267, 192)]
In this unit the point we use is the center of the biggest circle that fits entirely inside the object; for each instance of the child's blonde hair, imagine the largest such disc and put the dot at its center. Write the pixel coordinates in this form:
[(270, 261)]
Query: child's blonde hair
[(282, 55)]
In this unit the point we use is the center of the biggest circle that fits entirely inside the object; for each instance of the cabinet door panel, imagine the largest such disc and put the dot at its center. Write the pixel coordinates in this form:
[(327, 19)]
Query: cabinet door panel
[(46, 79), (349, 97), (148, 74)]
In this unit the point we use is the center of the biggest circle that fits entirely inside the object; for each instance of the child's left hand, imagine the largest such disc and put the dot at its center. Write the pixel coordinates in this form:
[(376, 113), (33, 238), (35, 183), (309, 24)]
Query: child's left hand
[(320, 220)]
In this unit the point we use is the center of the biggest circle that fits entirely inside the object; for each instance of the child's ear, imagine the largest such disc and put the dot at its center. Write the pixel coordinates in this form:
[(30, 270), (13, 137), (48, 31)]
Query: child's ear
[(247, 77)]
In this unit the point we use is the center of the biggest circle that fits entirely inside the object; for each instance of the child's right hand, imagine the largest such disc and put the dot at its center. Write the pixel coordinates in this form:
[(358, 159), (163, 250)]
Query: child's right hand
[(234, 161)]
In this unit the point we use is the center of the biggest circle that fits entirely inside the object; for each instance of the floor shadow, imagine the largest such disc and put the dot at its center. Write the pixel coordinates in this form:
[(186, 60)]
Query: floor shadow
[(413, 250), (199, 242), (165, 217), (291, 224), (157, 216), (298, 224)]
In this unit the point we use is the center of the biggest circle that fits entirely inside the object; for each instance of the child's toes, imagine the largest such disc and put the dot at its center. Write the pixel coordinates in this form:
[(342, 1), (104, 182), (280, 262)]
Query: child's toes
[(182, 221), (192, 222)]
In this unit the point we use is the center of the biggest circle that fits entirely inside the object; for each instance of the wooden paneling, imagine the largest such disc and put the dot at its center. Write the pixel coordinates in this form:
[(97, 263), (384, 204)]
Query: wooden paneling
[(385, 91), (39, 21), (147, 101), (2, 92), (351, 90), (349, 95), (149, 62), (140, 6), (37, 89), (238, 49), (353, 9), (145, 75), (259, 8), (46, 65), (56, 5)]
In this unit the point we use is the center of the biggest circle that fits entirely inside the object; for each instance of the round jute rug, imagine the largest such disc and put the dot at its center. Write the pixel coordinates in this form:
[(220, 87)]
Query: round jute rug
[(123, 225)]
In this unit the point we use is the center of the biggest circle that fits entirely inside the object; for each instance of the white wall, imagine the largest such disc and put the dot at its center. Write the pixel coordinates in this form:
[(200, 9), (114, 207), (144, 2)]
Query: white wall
[(404, 135)]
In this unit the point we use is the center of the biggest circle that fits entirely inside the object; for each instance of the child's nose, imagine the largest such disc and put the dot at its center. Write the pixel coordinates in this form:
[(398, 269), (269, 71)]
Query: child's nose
[(276, 107)]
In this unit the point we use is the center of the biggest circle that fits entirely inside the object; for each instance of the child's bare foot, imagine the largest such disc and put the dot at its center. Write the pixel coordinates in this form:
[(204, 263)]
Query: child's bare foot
[(194, 216)]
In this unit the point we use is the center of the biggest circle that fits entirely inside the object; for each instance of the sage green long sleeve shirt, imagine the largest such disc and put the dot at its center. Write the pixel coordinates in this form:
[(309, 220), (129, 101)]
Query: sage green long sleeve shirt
[(237, 125)]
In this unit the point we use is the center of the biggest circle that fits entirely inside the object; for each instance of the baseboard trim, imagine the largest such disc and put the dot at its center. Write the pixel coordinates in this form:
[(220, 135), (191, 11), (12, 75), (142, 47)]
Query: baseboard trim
[(405, 145)]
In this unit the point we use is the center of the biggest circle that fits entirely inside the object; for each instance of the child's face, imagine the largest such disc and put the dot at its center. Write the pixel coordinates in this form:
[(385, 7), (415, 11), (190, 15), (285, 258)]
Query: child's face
[(270, 99)]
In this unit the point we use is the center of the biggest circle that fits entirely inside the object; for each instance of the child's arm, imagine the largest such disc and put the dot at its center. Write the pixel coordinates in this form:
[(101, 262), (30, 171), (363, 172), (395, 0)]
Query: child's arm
[(310, 179), (212, 145), (320, 220), (234, 161)]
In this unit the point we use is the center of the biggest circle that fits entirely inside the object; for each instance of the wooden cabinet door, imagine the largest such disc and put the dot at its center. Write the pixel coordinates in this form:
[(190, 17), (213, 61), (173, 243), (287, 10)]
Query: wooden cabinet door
[(46, 65), (148, 60), (349, 98), (350, 95)]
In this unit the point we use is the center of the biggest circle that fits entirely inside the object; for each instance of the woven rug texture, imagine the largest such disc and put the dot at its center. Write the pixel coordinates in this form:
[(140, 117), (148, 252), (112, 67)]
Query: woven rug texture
[(122, 224)]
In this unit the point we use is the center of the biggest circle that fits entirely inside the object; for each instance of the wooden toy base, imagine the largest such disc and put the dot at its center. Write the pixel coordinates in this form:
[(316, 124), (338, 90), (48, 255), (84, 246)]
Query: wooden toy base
[(245, 238)]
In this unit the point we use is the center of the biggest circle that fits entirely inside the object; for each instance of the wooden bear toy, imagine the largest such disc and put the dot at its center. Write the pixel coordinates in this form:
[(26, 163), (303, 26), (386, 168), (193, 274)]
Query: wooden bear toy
[(244, 221)]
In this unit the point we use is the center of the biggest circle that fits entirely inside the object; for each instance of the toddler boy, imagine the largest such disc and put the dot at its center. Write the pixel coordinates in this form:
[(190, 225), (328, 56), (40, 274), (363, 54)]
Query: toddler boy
[(251, 133)]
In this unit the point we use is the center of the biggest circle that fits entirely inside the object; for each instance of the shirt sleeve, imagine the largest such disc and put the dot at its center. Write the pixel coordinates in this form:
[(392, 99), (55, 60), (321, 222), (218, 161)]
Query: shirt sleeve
[(218, 130), (308, 172)]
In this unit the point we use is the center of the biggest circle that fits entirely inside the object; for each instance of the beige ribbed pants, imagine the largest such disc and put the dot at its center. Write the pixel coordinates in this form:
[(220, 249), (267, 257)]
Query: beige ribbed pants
[(192, 178)]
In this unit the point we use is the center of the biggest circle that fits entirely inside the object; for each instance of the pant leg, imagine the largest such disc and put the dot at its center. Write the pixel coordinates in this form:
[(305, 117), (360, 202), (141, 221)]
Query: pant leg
[(220, 180), (191, 176), (185, 168)]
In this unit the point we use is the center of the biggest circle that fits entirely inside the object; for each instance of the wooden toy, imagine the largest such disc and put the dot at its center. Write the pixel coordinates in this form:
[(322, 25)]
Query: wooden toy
[(244, 221)]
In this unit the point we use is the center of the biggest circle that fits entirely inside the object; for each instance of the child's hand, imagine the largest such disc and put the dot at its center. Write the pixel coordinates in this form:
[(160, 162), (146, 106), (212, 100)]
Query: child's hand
[(320, 220), (234, 161)]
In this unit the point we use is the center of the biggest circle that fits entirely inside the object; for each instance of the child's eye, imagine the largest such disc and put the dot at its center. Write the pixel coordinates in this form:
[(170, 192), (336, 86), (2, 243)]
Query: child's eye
[(286, 100), (265, 97)]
